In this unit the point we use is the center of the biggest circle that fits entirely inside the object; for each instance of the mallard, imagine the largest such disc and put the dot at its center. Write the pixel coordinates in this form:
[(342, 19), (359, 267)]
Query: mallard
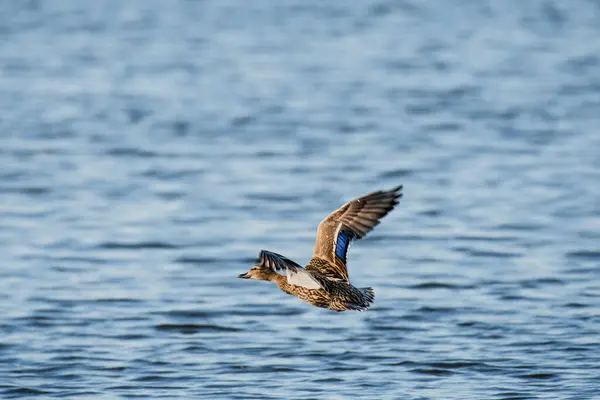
[(324, 282)]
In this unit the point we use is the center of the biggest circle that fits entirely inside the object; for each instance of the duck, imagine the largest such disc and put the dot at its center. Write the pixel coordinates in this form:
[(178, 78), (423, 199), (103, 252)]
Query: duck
[(324, 282)]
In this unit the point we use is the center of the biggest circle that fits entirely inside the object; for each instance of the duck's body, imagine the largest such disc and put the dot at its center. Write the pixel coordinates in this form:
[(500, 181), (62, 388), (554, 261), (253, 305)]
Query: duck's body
[(324, 282), (336, 295)]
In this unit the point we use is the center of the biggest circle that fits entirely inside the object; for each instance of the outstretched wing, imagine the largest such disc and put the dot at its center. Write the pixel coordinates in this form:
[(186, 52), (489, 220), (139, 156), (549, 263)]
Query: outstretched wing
[(351, 221), (296, 275)]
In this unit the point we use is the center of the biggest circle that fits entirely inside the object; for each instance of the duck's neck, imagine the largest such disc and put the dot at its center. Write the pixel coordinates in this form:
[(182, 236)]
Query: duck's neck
[(280, 281)]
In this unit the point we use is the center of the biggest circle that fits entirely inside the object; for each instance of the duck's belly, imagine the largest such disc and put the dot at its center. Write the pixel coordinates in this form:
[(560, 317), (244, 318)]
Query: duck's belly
[(318, 298), (344, 298)]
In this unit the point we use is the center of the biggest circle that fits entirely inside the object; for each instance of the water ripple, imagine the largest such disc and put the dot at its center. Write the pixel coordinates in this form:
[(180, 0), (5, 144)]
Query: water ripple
[(195, 328), (150, 151)]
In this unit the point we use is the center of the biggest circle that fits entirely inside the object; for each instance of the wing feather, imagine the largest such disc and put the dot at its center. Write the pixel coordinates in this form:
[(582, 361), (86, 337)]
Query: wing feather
[(353, 220), (296, 275)]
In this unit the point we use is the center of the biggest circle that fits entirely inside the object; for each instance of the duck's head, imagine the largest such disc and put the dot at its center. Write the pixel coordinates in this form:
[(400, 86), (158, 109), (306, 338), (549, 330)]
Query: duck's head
[(257, 272)]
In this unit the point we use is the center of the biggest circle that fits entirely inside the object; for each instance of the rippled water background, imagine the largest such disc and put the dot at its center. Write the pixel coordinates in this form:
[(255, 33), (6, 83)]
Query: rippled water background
[(150, 149)]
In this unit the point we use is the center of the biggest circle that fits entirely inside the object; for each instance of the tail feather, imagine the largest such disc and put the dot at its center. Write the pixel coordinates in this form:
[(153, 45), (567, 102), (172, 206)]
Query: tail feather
[(367, 295)]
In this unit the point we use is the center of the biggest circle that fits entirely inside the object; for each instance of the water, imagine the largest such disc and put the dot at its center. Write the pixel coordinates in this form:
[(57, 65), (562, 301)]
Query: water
[(151, 149)]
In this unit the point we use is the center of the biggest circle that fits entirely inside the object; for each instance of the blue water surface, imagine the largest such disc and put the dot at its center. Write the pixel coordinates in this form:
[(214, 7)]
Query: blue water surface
[(150, 149)]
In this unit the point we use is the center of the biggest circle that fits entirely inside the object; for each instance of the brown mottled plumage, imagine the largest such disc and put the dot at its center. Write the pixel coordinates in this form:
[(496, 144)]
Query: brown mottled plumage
[(324, 282)]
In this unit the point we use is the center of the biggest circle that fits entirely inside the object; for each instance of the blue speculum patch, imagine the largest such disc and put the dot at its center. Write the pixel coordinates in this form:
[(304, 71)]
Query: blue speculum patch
[(342, 243)]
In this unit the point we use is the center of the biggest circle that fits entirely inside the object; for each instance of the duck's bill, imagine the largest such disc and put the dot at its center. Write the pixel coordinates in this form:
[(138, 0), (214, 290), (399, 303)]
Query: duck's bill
[(243, 276)]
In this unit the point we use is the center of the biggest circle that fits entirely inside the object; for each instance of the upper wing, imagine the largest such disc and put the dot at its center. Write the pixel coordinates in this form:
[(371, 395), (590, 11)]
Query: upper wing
[(351, 221), (296, 275)]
